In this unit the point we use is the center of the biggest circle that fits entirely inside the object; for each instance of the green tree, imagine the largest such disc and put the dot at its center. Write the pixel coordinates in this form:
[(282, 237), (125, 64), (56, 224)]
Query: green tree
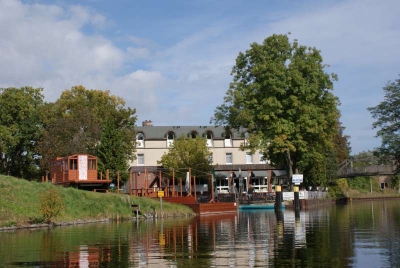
[(112, 149), (188, 153), (387, 114), (20, 131), (89, 121), (282, 96)]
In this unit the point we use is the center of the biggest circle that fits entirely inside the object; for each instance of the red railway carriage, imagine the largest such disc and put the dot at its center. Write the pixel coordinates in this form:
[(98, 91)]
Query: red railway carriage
[(79, 171)]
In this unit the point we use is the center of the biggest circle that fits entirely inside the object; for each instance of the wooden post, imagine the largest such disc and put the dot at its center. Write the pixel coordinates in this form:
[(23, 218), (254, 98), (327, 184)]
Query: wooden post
[(269, 180), (173, 183), (190, 184), (145, 181), (107, 174), (212, 188), (130, 182), (194, 186), (160, 181), (42, 179)]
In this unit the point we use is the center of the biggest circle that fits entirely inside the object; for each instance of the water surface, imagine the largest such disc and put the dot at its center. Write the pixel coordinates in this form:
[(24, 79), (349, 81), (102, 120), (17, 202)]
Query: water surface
[(361, 234)]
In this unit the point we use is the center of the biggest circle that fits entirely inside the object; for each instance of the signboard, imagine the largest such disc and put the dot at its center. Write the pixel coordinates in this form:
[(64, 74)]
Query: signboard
[(297, 178), (160, 193)]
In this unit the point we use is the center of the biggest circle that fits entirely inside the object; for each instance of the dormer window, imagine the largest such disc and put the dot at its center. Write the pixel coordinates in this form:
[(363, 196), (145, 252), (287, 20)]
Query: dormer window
[(193, 134), (170, 138), (140, 140), (228, 139), (209, 137)]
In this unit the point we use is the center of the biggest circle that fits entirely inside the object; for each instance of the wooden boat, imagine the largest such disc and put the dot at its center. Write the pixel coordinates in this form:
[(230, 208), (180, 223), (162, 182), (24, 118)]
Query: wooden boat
[(204, 208)]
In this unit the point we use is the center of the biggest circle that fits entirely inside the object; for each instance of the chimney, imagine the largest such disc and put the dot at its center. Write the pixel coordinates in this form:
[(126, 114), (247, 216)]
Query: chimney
[(147, 123)]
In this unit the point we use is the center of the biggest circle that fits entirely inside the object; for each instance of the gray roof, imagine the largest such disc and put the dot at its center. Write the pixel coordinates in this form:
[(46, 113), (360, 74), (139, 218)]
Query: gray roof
[(160, 132)]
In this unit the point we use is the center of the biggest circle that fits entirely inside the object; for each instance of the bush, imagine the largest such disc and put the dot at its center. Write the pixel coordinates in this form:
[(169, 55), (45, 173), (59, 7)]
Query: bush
[(335, 191), (51, 204), (363, 184), (395, 182)]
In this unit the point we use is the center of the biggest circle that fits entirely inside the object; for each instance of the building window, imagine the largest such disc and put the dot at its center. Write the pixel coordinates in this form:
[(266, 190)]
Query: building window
[(228, 139), (249, 158), (228, 158), (211, 158), (209, 137), (193, 134), (140, 140), (262, 159), (170, 138), (140, 159)]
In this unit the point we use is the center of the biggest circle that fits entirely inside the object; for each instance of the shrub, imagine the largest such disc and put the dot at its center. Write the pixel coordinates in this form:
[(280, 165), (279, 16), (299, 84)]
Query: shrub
[(343, 185), (395, 182), (51, 204)]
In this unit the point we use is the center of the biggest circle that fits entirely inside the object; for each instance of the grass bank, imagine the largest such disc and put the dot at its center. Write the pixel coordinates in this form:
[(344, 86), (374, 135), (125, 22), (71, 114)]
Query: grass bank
[(21, 204)]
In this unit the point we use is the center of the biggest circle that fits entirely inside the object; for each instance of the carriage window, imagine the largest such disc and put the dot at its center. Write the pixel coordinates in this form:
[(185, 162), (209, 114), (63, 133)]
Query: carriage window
[(73, 164), (92, 164)]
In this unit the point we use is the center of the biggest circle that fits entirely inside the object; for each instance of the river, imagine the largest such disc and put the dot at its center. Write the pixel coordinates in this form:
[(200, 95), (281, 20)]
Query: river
[(359, 234)]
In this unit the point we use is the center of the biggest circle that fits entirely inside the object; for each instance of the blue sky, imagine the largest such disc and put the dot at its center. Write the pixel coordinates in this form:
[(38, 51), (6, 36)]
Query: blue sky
[(171, 60)]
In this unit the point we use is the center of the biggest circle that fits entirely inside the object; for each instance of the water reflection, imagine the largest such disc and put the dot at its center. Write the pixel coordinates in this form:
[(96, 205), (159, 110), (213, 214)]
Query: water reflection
[(359, 234)]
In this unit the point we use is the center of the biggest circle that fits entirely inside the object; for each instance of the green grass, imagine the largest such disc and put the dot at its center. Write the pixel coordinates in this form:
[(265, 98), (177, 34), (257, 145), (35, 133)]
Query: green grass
[(20, 204)]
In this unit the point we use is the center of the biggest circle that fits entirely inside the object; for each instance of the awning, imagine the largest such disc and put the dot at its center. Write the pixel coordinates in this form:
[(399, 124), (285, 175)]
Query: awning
[(279, 173), (222, 174), (260, 173)]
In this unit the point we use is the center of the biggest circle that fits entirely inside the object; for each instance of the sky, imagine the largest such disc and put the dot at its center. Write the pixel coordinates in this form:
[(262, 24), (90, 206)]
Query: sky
[(171, 60)]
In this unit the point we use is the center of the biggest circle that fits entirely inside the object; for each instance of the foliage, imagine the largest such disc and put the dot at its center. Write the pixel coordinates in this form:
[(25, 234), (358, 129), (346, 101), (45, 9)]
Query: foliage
[(363, 184), (188, 153), (51, 204), (335, 191), (112, 150), (369, 158), (87, 121), (395, 182), (342, 184), (387, 114), (282, 96), (20, 131)]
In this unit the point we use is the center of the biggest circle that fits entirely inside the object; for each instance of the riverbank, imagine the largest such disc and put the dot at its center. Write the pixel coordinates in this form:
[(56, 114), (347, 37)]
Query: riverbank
[(23, 205)]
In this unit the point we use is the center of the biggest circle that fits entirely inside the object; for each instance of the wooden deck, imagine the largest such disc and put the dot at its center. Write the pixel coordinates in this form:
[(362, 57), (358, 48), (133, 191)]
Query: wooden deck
[(204, 208)]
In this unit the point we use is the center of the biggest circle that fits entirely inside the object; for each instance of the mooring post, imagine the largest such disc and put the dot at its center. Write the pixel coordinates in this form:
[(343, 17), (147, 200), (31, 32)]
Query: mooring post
[(296, 201), (278, 198)]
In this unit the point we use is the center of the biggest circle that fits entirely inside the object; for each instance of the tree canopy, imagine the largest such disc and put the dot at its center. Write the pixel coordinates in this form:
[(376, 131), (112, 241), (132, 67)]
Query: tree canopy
[(92, 122), (19, 131), (188, 153), (283, 97), (387, 115)]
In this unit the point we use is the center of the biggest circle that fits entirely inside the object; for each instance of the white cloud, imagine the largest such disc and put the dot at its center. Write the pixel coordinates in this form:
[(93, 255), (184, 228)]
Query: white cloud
[(45, 45), (50, 46)]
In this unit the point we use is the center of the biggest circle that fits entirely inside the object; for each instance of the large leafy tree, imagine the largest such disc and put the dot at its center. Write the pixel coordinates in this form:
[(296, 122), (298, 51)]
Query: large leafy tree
[(387, 115), (188, 153), (283, 97), (20, 131), (89, 121)]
